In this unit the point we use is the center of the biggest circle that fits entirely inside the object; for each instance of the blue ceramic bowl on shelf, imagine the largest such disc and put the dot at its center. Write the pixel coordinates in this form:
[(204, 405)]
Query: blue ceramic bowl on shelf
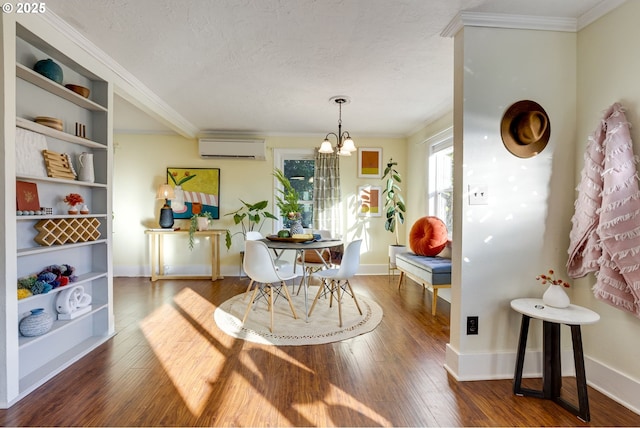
[(48, 68)]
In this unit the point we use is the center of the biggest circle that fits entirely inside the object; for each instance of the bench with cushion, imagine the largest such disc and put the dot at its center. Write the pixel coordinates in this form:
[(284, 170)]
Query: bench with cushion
[(431, 272)]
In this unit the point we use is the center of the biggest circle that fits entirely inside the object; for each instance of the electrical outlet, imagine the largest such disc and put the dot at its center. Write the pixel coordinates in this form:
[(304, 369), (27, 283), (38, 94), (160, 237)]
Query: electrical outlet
[(472, 325)]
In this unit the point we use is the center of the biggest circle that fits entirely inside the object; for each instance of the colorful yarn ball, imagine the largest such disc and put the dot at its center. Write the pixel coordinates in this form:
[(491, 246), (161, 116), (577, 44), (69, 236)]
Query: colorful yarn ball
[(24, 293)]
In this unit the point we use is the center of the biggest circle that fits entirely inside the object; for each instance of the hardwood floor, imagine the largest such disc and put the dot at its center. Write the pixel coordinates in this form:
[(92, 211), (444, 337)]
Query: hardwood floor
[(169, 365)]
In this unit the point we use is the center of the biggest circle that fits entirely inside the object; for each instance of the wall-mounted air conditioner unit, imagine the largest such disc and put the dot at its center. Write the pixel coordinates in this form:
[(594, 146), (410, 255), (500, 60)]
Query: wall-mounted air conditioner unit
[(232, 149)]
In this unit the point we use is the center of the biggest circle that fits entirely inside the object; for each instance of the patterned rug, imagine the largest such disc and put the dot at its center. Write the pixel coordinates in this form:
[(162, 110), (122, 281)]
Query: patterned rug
[(321, 327)]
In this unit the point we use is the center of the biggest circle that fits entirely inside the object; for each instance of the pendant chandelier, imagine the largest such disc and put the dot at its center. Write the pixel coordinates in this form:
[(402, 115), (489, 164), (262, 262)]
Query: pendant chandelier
[(344, 143)]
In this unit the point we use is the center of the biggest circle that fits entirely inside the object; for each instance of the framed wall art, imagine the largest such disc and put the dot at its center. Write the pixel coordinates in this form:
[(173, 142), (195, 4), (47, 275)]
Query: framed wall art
[(369, 201), (197, 190), (369, 162)]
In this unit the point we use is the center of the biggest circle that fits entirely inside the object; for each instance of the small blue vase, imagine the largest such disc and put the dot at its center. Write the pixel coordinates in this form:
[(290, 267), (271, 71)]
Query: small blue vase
[(48, 68)]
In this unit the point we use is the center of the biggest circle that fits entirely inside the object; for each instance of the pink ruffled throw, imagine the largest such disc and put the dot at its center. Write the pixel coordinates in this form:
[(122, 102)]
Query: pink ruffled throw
[(605, 237)]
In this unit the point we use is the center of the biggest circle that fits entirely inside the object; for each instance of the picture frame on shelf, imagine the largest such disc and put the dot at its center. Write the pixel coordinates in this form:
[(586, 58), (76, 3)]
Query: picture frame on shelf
[(197, 190), (369, 162), (369, 201), (27, 196)]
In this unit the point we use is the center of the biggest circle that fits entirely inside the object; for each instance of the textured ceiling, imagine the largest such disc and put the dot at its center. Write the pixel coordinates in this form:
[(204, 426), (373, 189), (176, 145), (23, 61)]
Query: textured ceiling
[(270, 66)]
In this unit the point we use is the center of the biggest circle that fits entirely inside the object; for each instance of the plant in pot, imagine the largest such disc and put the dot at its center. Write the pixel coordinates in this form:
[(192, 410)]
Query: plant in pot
[(199, 221), (394, 207), (250, 217), (287, 201)]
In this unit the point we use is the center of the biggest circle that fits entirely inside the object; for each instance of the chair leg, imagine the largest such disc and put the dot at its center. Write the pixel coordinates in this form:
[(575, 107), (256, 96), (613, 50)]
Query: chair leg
[(315, 300), (271, 306), (286, 292), (339, 299), (299, 285), (248, 288), (253, 296), (354, 297), (332, 288)]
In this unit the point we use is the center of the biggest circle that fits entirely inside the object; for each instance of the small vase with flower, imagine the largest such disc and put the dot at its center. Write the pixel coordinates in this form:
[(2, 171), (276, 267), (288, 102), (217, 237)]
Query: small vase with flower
[(73, 200), (295, 223), (554, 296)]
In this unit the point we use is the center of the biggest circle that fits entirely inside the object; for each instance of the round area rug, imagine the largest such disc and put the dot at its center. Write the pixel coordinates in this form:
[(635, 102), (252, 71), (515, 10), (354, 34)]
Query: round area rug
[(321, 327)]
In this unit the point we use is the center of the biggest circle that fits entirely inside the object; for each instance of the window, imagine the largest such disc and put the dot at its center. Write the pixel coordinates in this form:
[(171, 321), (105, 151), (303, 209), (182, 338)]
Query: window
[(298, 166), (441, 182)]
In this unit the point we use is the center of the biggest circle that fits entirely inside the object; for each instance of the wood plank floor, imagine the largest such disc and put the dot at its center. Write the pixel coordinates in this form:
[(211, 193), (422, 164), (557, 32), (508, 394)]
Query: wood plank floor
[(169, 365)]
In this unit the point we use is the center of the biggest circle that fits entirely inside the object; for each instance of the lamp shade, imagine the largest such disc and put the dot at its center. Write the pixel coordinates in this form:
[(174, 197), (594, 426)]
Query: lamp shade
[(165, 192), (325, 147), (344, 152), (349, 145)]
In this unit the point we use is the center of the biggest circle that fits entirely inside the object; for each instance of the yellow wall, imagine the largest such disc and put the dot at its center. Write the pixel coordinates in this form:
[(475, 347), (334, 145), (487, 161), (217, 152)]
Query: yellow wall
[(140, 165), (608, 73)]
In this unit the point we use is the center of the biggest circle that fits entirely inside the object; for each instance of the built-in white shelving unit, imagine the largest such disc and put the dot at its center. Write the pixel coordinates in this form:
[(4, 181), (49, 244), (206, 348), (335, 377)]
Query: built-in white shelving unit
[(28, 362)]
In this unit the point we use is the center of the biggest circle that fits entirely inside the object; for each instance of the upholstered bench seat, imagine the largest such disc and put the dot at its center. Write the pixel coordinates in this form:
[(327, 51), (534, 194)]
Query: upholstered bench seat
[(430, 272)]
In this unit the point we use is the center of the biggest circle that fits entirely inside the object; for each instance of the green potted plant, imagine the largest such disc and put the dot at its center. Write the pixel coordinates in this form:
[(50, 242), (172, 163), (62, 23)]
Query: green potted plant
[(287, 201), (199, 221), (250, 217), (394, 207)]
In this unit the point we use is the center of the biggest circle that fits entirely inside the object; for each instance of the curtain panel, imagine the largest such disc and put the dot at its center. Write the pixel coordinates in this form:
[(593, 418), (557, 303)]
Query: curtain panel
[(326, 194)]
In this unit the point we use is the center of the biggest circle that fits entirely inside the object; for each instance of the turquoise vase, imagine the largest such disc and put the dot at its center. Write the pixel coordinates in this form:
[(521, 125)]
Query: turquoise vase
[(48, 68)]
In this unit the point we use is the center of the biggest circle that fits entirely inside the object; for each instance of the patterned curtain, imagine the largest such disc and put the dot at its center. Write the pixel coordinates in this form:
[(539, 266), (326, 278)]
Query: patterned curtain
[(327, 214)]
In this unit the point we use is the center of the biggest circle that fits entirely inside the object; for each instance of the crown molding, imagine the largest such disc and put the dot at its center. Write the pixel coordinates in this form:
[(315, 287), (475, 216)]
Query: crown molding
[(126, 85), (598, 11), (528, 22), (438, 137), (501, 20)]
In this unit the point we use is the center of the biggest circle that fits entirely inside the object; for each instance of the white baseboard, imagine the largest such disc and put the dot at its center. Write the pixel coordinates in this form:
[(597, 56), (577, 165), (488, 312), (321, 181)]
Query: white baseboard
[(614, 384), (489, 366)]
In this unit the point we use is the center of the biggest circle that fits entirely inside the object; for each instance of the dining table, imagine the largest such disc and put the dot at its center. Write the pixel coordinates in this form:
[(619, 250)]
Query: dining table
[(280, 245)]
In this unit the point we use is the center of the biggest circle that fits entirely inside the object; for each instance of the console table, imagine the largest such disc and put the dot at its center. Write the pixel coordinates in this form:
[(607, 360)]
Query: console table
[(157, 237), (573, 316)]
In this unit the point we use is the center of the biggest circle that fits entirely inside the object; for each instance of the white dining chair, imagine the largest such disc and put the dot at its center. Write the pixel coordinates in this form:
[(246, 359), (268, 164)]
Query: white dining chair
[(315, 260), (336, 281), (284, 266), (259, 266)]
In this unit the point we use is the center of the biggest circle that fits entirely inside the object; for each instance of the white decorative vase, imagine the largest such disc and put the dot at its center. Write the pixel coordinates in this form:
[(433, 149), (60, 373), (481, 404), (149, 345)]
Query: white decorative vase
[(86, 167), (203, 223), (556, 297), (177, 203), (393, 251)]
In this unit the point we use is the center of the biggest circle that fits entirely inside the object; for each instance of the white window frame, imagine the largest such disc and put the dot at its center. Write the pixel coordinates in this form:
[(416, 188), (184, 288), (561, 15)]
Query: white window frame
[(439, 145), (279, 157)]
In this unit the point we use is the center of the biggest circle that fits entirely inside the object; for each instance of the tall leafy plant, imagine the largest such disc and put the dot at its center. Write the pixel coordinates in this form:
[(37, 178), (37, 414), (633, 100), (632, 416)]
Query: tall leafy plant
[(287, 197), (250, 217), (394, 202)]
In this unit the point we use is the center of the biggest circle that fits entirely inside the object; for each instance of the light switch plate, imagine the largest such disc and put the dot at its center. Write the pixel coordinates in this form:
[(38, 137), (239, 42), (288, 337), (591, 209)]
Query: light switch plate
[(478, 194)]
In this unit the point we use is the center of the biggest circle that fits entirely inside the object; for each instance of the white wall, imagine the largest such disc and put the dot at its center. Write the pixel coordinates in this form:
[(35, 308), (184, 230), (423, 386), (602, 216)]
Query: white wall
[(499, 248), (140, 165), (608, 70)]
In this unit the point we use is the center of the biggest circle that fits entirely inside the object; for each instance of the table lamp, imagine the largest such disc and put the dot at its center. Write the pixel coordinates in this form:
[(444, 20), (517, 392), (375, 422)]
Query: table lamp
[(166, 213)]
